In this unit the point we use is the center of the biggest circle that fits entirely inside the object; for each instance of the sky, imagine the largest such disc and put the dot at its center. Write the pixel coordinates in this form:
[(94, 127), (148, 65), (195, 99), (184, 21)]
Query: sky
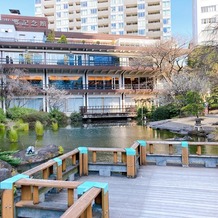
[(181, 13)]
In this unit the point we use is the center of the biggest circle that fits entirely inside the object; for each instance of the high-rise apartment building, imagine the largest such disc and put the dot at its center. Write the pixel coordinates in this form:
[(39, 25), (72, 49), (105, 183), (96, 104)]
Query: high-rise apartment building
[(205, 19), (151, 18)]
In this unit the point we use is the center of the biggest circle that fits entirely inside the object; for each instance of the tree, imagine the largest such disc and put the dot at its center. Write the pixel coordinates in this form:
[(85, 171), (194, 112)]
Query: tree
[(55, 98), (51, 36), (182, 83), (193, 103), (162, 59), (63, 39), (14, 85)]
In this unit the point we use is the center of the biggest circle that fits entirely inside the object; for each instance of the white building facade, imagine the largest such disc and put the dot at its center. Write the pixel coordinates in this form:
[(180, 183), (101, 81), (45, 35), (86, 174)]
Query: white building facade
[(205, 19), (151, 18)]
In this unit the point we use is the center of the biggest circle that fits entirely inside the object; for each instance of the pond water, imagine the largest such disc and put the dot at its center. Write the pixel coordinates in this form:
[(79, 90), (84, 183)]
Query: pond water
[(118, 135)]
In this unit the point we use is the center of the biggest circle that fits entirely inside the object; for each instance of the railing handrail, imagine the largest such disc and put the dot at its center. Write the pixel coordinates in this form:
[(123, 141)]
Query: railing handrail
[(106, 149), (48, 183), (79, 207), (179, 142)]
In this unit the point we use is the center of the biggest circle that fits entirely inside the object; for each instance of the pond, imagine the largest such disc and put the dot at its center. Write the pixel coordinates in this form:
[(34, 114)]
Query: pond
[(119, 135)]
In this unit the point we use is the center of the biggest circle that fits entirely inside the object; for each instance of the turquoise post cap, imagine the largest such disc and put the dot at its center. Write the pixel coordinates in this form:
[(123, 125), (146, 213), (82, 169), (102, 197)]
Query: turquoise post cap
[(8, 183), (83, 150), (142, 142), (184, 144), (58, 161), (130, 151), (84, 187)]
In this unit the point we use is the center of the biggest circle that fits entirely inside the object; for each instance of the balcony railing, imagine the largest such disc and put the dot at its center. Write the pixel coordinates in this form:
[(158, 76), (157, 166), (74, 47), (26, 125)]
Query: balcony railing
[(62, 62)]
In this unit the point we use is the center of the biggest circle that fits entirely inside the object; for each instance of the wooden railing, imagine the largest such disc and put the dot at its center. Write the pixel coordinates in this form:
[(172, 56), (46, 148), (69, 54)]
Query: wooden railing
[(53, 173)]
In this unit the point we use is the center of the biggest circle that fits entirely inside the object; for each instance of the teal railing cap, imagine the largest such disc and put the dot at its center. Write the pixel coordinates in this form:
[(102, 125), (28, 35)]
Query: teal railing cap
[(184, 144), (83, 150), (58, 161), (84, 187), (130, 151), (8, 183), (142, 142)]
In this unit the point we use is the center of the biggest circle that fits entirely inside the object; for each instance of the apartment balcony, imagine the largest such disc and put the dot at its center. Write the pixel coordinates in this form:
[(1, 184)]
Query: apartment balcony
[(49, 3), (102, 13), (131, 18), (103, 29), (104, 4), (154, 8), (131, 11), (129, 3), (50, 19), (153, 34), (153, 16), (131, 27), (103, 22), (48, 11), (154, 25)]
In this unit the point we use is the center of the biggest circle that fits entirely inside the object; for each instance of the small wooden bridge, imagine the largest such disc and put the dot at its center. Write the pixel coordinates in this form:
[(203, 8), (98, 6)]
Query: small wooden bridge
[(108, 112), (67, 186)]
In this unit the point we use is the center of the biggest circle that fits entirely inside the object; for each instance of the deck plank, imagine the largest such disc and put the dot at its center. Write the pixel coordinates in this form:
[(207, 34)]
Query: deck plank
[(163, 192)]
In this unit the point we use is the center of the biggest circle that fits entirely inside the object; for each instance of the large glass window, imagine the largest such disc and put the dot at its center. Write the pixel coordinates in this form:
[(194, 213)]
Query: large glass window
[(66, 82)]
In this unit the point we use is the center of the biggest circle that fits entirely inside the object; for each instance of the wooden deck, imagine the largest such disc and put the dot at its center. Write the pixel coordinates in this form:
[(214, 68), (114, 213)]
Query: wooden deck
[(163, 192)]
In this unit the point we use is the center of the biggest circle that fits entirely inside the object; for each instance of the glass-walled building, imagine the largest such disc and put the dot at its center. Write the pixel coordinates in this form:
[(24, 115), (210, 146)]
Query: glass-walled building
[(94, 69)]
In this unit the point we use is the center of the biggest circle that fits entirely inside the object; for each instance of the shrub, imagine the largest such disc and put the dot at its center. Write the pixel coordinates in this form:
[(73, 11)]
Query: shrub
[(75, 117), (54, 126), (41, 116), (165, 112), (16, 113), (60, 150), (39, 129), (2, 127), (12, 135), (59, 117), (2, 116)]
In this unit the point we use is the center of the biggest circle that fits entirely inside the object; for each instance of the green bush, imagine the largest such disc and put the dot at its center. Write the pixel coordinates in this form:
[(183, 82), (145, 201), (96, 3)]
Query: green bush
[(54, 126), (16, 113), (2, 116), (12, 135), (41, 116), (2, 127), (165, 112), (75, 117), (39, 129), (59, 117)]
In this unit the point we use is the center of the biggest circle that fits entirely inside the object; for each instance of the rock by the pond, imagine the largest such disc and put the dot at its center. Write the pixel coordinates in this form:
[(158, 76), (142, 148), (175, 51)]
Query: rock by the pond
[(39, 155), (5, 170)]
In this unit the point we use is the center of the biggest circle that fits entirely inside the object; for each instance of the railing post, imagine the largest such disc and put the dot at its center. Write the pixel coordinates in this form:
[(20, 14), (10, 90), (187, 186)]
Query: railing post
[(83, 161), (94, 157), (198, 150), (170, 149), (142, 152), (185, 161), (102, 198), (8, 195), (151, 148), (59, 168), (131, 162), (115, 157)]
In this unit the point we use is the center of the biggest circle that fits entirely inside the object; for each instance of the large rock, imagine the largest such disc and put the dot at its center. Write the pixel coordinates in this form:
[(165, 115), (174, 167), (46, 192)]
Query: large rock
[(5, 170), (40, 154)]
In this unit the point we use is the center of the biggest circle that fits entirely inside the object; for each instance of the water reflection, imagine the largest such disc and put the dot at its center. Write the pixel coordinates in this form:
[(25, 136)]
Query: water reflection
[(120, 135)]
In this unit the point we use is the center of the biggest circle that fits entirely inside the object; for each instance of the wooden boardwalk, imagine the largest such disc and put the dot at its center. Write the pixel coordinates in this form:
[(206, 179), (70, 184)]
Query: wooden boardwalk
[(163, 192)]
